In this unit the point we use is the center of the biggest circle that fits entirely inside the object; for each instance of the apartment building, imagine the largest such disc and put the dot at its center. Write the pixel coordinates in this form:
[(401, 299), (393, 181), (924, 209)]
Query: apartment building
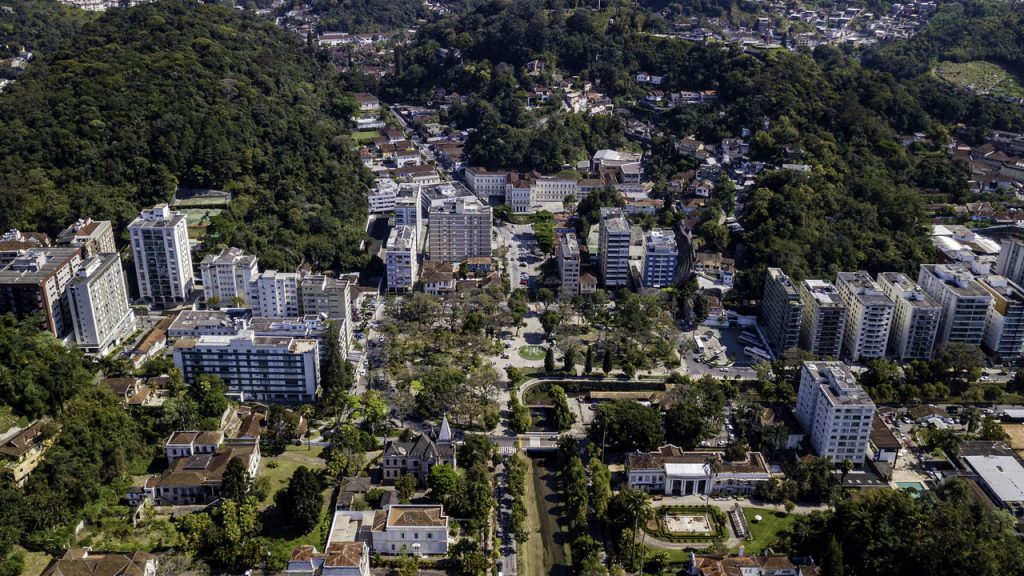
[(36, 281), (869, 314), (14, 243), (916, 318), (227, 275), (1004, 324), (160, 250), (835, 411), (92, 236), (569, 263), (615, 234), (197, 323), (824, 319), (99, 305), (275, 294), (400, 259), (1011, 260), (407, 212), (325, 295), (781, 311), (383, 196), (460, 228), (661, 258), (262, 368), (964, 303)]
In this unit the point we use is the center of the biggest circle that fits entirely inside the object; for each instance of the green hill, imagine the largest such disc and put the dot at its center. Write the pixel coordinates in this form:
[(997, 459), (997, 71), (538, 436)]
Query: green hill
[(144, 100)]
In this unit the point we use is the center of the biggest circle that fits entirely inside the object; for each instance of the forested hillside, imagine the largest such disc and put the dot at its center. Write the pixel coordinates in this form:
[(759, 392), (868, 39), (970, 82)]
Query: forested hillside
[(367, 15), (37, 25), (144, 100)]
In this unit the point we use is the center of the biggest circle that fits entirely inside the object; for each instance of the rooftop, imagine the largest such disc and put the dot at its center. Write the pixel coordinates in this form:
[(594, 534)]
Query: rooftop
[(837, 382), (674, 455), (37, 264), (661, 239), (413, 516), (823, 292), (1003, 474), (402, 238), (908, 290), (780, 277), (159, 216), (191, 319), (881, 436), (568, 247), (865, 289), (956, 280), (229, 256)]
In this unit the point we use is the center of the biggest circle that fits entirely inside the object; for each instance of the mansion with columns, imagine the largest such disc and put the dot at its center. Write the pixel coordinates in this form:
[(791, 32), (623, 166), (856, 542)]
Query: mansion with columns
[(673, 472)]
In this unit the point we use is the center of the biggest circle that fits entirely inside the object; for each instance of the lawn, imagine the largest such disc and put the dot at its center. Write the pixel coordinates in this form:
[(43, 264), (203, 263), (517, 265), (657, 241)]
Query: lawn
[(766, 531), (532, 353), (279, 469), (362, 137), (980, 77), (35, 562)]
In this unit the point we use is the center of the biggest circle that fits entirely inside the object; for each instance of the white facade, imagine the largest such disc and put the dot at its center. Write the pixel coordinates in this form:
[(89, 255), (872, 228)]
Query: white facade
[(869, 316), (1004, 325), (160, 249), (553, 189), (1011, 259), (519, 196), (260, 368), (275, 294), (409, 528), (835, 411), (400, 259), (964, 303), (99, 305), (661, 258), (227, 275), (615, 235), (569, 264), (916, 319), (824, 319), (484, 183), (382, 197), (781, 311)]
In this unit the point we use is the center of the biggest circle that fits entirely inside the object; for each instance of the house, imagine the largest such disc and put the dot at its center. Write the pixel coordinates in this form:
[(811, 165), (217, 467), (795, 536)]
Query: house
[(702, 188), (882, 443), (675, 472), (23, 450), (588, 283), (713, 264), (741, 565), (151, 343), (196, 465), (479, 265), (131, 391), (418, 456), (691, 147), (416, 529), (437, 277), (339, 559), (85, 562)]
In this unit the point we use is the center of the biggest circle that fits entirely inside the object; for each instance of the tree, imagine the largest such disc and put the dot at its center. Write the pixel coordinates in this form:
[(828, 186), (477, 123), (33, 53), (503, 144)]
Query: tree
[(564, 417), (443, 482), (606, 361), (627, 426), (845, 467), (601, 487), (236, 481), (832, 561), (569, 203), (520, 420), (714, 466), (406, 486), (570, 361), (588, 364), (407, 565), (336, 373), (575, 495), (469, 558), (302, 500), (209, 391), (549, 321), (546, 296), (700, 308), (789, 505), (549, 360)]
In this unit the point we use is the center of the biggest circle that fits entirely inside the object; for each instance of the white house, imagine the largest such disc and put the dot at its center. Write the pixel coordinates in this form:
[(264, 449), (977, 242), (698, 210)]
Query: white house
[(674, 472), (411, 528)]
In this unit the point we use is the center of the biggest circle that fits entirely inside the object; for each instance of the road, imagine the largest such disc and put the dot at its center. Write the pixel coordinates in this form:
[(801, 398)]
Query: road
[(507, 563)]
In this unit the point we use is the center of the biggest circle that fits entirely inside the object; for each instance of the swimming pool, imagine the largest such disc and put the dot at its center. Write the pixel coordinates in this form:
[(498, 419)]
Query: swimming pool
[(917, 486)]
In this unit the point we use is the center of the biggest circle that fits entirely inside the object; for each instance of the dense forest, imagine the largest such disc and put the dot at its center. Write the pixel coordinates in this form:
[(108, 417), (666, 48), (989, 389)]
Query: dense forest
[(144, 100), (37, 25), (367, 15)]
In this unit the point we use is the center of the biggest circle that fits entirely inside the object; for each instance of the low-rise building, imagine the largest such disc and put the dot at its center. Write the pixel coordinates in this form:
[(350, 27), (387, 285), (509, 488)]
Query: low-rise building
[(412, 529), (418, 456), (437, 278), (84, 561), (766, 565), (338, 559), (671, 471), (23, 450), (195, 477)]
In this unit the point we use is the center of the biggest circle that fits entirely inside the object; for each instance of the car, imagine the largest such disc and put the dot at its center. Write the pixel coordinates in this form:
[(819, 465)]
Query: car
[(723, 369), (986, 378)]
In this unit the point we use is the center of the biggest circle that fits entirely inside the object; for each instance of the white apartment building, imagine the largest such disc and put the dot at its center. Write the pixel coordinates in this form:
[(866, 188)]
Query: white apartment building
[(263, 368), (661, 258), (410, 528), (460, 228), (1004, 325), (869, 315), (835, 411), (824, 319), (382, 197), (964, 303), (407, 211), (99, 305), (92, 236), (275, 294), (569, 263), (160, 249), (781, 311), (228, 275), (614, 239), (1011, 259), (916, 319), (484, 183), (400, 259)]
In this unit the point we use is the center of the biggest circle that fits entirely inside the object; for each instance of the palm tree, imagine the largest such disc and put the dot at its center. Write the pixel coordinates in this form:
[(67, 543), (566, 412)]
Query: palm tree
[(713, 463), (844, 468)]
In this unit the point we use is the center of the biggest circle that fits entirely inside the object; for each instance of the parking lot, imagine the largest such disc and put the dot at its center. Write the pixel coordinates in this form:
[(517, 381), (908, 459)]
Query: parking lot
[(731, 361)]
